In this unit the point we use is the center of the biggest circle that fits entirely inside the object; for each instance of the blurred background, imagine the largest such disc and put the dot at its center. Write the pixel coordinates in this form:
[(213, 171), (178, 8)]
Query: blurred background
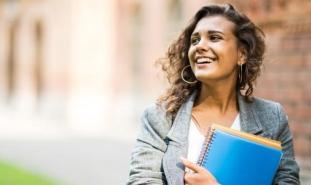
[(75, 76)]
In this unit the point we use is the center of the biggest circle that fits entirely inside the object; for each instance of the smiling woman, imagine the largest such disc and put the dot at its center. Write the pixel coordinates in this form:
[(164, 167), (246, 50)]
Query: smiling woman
[(211, 68), (214, 52)]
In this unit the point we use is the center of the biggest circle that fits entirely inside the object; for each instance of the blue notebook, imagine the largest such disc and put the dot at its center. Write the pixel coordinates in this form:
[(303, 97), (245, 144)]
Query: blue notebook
[(237, 158)]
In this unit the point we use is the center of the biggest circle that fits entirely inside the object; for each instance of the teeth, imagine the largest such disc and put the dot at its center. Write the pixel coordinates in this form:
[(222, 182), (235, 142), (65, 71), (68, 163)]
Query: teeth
[(204, 60)]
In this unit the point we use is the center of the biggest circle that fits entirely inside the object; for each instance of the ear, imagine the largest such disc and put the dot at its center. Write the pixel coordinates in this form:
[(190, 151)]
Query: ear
[(242, 55)]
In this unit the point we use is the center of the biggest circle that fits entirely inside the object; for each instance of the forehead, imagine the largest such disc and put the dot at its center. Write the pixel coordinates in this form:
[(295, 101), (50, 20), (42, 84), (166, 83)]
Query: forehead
[(215, 23)]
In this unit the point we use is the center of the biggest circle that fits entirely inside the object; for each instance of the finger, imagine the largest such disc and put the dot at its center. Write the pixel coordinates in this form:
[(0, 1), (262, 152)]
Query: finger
[(195, 178), (190, 178), (210, 175), (192, 166)]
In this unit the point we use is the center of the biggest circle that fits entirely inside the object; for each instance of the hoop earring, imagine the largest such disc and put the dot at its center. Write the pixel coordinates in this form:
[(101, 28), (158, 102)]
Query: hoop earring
[(182, 76)]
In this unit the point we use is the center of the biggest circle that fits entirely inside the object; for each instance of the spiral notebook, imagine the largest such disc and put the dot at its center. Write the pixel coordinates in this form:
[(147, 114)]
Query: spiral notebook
[(235, 157)]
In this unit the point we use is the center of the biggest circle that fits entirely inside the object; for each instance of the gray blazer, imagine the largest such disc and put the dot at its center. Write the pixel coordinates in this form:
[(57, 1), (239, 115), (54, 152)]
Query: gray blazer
[(156, 156)]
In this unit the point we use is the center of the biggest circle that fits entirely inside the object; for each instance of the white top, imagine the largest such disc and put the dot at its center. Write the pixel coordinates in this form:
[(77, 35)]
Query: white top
[(196, 139)]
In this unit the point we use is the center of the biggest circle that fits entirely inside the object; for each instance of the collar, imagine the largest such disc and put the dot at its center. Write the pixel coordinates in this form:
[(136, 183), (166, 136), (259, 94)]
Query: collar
[(248, 119)]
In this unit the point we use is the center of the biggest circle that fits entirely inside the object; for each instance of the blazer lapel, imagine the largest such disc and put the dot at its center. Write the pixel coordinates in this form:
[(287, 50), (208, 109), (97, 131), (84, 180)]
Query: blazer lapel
[(177, 139), (248, 118)]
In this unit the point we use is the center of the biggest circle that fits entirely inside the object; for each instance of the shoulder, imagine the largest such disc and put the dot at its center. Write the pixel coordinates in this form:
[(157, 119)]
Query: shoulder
[(156, 119), (268, 107), (264, 104), (271, 114)]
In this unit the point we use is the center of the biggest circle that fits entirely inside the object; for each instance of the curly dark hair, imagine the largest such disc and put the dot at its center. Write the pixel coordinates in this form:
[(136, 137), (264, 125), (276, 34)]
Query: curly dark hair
[(249, 36)]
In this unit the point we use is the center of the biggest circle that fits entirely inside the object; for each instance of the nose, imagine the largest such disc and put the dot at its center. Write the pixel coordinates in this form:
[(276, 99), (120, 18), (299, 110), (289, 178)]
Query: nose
[(202, 46)]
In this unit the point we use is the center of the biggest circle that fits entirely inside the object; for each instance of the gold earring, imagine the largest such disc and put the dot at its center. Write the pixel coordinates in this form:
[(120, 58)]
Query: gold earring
[(182, 76)]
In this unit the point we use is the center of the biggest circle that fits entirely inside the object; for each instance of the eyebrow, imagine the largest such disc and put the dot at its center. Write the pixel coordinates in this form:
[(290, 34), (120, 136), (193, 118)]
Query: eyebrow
[(209, 32)]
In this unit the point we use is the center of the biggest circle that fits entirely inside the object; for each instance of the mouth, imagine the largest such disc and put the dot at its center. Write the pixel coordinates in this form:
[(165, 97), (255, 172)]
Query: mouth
[(204, 60)]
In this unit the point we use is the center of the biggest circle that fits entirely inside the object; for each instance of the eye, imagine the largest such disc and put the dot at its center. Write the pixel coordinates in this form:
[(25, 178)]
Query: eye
[(215, 38), (195, 40)]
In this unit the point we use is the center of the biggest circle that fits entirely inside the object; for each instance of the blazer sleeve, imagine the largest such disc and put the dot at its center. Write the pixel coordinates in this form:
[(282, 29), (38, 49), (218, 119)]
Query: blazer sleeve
[(146, 157), (288, 172)]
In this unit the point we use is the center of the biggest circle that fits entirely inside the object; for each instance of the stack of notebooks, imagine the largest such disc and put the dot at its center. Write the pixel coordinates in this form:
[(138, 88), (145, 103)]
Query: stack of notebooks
[(238, 158)]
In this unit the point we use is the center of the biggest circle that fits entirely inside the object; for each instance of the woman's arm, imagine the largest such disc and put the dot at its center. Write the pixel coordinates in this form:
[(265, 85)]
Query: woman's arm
[(288, 172), (146, 159)]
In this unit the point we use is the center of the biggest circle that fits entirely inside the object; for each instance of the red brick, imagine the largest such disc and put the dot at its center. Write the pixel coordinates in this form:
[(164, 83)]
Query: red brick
[(302, 145), (304, 111), (299, 128), (308, 61)]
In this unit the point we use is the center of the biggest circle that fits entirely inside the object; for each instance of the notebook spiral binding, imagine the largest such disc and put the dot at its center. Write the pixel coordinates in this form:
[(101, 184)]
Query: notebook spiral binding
[(206, 146)]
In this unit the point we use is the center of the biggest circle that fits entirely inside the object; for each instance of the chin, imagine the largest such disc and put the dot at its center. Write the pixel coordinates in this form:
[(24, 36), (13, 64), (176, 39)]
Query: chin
[(202, 76), (207, 77)]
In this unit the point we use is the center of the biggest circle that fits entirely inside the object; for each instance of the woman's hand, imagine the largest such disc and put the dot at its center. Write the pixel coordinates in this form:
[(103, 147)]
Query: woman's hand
[(198, 175)]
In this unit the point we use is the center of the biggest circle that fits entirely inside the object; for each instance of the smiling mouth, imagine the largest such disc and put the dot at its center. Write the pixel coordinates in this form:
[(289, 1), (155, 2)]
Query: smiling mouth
[(204, 60)]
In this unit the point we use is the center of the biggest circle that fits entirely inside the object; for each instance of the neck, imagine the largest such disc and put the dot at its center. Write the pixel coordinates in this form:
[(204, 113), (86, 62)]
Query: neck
[(218, 97)]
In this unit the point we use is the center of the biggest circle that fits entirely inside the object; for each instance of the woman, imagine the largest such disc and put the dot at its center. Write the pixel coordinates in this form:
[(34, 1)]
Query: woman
[(212, 68)]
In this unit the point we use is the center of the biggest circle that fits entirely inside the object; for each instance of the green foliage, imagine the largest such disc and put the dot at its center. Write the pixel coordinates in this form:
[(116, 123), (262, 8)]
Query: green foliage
[(11, 175)]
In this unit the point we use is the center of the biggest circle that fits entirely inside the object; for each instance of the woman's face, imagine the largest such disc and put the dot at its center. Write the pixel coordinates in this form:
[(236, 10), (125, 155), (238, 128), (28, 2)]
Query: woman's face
[(214, 52)]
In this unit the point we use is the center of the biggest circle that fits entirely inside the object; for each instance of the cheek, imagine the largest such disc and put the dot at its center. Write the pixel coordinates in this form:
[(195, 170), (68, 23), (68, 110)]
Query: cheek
[(233, 50), (191, 54), (227, 53)]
